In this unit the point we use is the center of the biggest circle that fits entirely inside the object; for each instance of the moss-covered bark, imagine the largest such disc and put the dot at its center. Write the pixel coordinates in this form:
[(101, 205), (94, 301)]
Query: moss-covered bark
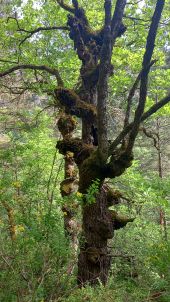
[(99, 224), (89, 104), (66, 126)]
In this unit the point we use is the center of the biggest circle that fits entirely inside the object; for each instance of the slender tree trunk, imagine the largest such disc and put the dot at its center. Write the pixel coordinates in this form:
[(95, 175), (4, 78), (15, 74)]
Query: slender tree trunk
[(162, 217)]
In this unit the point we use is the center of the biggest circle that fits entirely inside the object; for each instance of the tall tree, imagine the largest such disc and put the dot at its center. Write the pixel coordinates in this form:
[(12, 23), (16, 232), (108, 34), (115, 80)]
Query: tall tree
[(97, 157)]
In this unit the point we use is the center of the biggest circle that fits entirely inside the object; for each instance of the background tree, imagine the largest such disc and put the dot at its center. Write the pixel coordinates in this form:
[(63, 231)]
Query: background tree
[(96, 157)]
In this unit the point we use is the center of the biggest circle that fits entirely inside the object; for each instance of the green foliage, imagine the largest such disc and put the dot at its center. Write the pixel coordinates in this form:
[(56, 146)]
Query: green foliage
[(34, 265), (92, 191)]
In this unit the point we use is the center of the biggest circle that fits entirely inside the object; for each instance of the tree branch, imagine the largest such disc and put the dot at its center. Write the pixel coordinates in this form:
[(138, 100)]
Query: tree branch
[(131, 95), (117, 26), (32, 32), (136, 19), (75, 4), (152, 135), (166, 22), (74, 105), (52, 71), (156, 107), (102, 87), (8, 61), (145, 116), (66, 7), (108, 9), (150, 44)]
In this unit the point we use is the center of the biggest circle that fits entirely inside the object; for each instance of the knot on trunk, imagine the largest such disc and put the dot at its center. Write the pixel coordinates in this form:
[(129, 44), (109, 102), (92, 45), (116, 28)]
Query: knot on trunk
[(94, 254), (66, 125), (120, 221), (113, 196), (68, 186)]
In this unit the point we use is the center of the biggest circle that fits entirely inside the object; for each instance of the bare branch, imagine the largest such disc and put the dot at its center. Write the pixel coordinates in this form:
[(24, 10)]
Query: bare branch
[(134, 3), (52, 71), (16, 20), (117, 26), (150, 44), (41, 28), (164, 67), (75, 4), (66, 7), (156, 107), (108, 8), (135, 18), (32, 32), (145, 116), (152, 135), (8, 61), (131, 94), (165, 22)]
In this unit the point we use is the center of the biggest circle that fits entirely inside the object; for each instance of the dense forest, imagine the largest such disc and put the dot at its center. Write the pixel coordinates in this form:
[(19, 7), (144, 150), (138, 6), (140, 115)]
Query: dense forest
[(84, 151)]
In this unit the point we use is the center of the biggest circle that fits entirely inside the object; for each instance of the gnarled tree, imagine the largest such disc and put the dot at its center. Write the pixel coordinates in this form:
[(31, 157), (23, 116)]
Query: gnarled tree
[(97, 158)]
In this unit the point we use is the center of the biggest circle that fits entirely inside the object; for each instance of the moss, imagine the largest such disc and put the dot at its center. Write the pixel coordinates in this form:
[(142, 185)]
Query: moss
[(120, 221), (68, 186), (95, 35), (73, 145), (66, 96), (69, 165), (119, 162), (66, 125), (89, 170), (83, 25), (113, 196), (74, 105), (69, 155)]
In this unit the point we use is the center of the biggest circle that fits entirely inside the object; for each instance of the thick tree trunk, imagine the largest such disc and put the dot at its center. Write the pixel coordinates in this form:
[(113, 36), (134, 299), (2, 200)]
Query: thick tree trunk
[(98, 226)]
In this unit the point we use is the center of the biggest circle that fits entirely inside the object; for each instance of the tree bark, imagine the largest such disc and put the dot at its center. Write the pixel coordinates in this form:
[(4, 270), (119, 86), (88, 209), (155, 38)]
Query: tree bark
[(94, 259)]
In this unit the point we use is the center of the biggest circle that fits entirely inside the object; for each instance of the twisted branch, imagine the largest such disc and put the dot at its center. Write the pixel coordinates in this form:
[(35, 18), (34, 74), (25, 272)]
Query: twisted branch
[(152, 135)]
